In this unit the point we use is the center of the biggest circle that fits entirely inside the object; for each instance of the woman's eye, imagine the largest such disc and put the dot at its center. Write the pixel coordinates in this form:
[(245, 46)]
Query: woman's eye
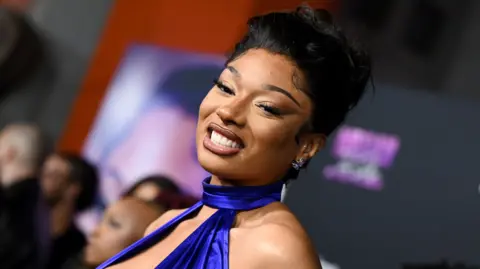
[(114, 224), (223, 87), (269, 110)]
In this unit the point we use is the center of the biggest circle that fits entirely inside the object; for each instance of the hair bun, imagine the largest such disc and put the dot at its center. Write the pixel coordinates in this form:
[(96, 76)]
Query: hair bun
[(314, 15)]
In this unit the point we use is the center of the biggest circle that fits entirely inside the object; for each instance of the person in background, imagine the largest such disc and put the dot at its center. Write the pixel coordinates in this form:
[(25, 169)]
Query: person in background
[(69, 184), (23, 213), (150, 187), (123, 223)]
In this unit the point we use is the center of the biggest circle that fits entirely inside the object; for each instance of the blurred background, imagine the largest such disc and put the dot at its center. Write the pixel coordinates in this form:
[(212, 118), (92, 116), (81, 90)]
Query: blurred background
[(398, 183)]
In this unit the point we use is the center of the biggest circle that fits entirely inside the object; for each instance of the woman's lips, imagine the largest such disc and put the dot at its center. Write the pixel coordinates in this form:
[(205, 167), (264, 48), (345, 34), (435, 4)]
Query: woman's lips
[(225, 133), (220, 145)]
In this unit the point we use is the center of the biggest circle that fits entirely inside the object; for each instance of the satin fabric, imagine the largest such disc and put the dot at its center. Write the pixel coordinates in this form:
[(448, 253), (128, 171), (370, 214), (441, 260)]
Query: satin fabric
[(207, 246)]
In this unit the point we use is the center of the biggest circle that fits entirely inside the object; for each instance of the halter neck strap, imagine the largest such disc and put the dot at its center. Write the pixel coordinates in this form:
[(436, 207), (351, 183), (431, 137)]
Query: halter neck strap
[(240, 198)]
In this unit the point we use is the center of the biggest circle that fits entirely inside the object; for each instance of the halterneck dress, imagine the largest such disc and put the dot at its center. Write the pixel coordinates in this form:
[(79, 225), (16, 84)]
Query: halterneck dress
[(207, 247)]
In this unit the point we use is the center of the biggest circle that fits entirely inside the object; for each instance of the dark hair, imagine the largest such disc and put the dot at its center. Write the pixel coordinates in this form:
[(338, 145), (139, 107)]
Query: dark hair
[(336, 72), (171, 196), (85, 174), (21, 49), (162, 182), (170, 200)]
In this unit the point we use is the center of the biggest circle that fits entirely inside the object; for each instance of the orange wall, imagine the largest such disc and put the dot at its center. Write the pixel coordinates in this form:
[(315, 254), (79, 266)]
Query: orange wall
[(20, 5), (211, 26)]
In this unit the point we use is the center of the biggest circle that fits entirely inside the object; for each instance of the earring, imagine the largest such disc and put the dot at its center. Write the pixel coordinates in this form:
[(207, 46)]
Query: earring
[(298, 163)]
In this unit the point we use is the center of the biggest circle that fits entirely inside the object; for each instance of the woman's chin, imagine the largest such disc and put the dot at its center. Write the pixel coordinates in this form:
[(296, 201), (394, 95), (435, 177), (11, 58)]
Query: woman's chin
[(89, 257), (91, 263), (218, 167)]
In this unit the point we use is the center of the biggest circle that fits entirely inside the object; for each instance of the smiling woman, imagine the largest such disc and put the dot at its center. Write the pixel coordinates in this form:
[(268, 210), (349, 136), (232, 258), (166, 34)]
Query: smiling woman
[(289, 83)]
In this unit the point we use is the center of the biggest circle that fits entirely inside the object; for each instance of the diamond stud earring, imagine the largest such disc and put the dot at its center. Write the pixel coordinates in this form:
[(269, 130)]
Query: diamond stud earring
[(298, 163)]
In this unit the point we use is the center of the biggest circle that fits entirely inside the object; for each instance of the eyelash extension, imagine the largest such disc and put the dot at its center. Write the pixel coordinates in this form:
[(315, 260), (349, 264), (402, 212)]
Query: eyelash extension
[(223, 87), (270, 110)]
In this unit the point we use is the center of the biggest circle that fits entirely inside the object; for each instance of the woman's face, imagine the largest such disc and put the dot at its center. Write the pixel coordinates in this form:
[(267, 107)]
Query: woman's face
[(123, 223), (248, 122)]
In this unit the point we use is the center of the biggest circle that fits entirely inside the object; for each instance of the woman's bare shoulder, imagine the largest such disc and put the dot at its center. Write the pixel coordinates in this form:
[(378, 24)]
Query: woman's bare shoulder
[(166, 217), (281, 241)]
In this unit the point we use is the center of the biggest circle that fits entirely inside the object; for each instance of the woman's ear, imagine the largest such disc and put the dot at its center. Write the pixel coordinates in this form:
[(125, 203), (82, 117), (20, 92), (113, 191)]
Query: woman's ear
[(310, 144)]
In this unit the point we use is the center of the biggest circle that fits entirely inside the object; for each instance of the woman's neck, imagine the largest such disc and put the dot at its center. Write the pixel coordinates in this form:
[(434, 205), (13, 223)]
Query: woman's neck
[(61, 216), (219, 181), (206, 211), (215, 180)]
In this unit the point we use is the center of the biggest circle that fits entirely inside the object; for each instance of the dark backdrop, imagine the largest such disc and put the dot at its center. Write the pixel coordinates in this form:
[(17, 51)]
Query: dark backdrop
[(429, 208)]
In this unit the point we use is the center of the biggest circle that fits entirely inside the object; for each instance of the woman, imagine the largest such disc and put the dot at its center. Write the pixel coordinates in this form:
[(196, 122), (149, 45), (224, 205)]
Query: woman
[(123, 223), (289, 83)]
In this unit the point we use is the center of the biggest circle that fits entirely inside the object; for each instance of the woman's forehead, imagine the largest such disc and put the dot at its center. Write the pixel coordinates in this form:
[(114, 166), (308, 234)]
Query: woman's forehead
[(124, 206), (258, 67)]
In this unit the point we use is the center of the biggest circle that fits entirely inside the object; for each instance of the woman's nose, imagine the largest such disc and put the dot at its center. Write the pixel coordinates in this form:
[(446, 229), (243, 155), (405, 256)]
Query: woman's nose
[(95, 231), (233, 113)]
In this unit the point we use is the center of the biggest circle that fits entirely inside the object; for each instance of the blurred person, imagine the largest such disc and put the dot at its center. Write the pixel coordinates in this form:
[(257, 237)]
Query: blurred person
[(150, 187), (290, 82), (23, 213), (21, 49), (69, 184), (123, 223)]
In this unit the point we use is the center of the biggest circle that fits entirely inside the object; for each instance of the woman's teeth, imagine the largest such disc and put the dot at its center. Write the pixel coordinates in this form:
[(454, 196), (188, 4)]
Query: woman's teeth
[(223, 141)]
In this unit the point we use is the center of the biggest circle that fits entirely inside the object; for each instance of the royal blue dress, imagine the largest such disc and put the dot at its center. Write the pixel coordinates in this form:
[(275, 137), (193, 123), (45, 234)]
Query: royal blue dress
[(207, 247)]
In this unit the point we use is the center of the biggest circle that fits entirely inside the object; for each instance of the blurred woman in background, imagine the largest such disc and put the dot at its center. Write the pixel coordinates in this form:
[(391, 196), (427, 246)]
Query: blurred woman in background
[(123, 223), (126, 220)]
